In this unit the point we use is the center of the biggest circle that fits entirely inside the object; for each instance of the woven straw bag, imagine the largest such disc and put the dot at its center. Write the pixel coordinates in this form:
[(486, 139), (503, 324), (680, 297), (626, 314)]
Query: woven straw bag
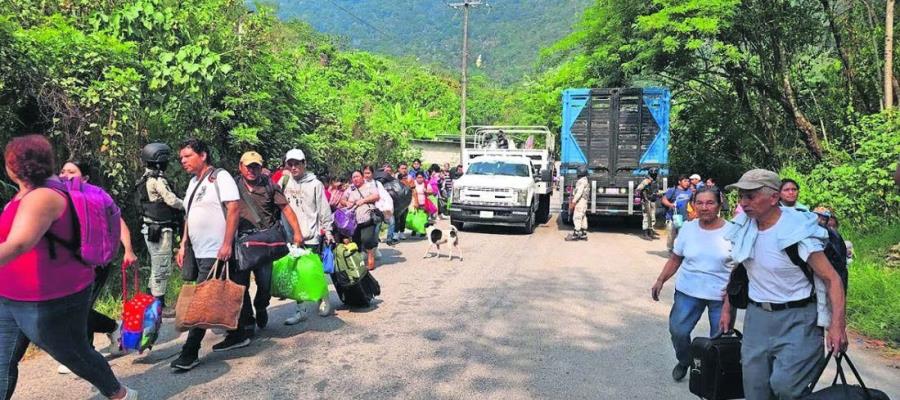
[(216, 303)]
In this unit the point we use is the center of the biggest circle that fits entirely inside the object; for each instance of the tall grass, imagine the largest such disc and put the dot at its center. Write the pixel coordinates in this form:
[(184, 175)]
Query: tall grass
[(873, 298)]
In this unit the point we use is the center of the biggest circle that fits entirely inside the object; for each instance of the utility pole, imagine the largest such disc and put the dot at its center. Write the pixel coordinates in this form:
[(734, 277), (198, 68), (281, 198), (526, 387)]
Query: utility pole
[(465, 5)]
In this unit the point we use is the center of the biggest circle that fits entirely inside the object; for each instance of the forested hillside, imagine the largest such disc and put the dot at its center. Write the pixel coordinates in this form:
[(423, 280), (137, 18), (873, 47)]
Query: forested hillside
[(505, 34)]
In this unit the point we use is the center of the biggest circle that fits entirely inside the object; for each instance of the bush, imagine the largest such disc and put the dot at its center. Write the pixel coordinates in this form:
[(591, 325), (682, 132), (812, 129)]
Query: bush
[(858, 183)]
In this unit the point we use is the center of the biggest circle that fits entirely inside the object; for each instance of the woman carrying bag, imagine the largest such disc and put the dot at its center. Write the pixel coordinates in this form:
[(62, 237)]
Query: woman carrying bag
[(362, 196)]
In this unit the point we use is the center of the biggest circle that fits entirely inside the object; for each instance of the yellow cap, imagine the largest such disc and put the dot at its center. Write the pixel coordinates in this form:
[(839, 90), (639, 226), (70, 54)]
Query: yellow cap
[(251, 157)]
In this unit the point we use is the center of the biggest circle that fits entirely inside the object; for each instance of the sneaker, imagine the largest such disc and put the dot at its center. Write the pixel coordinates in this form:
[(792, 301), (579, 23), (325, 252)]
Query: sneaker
[(301, 315), (325, 307), (573, 237), (115, 338), (262, 318), (679, 372), (62, 369), (185, 362), (130, 394), (231, 342)]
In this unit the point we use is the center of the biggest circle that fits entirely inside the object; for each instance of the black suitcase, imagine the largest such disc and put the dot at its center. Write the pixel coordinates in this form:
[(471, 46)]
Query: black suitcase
[(843, 390), (358, 294), (716, 371)]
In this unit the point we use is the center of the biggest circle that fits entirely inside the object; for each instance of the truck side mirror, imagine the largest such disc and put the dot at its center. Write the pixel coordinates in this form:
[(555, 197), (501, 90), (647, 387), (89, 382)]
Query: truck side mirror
[(546, 175)]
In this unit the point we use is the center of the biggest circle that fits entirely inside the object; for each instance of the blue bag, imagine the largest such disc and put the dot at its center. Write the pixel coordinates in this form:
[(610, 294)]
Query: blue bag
[(328, 260)]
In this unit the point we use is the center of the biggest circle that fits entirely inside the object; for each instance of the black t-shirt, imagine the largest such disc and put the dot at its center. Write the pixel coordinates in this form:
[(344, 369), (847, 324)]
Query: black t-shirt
[(267, 199)]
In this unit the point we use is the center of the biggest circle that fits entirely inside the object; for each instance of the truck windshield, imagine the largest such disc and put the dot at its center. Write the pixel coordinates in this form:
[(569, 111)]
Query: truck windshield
[(498, 168)]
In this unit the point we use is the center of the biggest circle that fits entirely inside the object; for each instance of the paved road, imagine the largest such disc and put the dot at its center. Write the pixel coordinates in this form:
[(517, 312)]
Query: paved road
[(522, 317)]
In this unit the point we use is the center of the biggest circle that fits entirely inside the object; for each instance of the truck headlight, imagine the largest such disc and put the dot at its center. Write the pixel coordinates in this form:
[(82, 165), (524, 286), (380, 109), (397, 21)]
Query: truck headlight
[(522, 197)]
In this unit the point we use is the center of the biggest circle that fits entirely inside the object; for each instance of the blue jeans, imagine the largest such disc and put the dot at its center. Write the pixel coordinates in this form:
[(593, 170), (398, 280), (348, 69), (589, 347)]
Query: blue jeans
[(57, 327), (391, 232), (686, 311)]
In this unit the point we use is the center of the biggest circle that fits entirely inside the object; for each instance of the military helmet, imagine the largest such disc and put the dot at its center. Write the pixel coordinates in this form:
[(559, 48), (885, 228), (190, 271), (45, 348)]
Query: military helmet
[(653, 172), (157, 153), (582, 171)]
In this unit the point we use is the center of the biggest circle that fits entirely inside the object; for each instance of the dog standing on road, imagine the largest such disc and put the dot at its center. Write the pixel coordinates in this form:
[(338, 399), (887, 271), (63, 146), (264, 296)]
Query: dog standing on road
[(437, 236)]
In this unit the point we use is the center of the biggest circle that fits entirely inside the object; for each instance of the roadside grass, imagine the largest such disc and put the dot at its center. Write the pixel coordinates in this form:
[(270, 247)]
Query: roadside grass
[(873, 301)]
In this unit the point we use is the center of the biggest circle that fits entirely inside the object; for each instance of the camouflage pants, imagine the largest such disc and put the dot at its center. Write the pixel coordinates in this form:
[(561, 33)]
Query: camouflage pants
[(649, 211), (161, 256), (579, 217)]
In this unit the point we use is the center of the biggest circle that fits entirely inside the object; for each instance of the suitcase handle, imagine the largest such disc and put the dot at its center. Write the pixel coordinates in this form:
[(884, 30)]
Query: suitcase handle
[(732, 332), (840, 373)]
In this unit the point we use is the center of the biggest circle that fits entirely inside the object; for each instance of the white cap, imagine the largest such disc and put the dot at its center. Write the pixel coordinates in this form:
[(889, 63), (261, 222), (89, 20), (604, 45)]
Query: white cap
[(295, 154), (695, 176)]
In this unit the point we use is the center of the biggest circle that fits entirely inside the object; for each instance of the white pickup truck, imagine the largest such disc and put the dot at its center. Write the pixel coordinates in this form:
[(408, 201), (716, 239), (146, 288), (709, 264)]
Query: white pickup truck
[(501, 190)]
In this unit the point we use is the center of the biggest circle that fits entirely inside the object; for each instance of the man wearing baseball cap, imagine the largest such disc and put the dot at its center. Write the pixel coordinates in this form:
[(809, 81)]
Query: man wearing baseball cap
[(786, 311), (306, 196), (262, 204), (696, 182)]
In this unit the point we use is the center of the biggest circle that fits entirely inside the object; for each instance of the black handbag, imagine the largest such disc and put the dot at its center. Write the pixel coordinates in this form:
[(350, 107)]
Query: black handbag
[(738, 288), (261, 246), (842, 391), (716, 372), (189, 265)]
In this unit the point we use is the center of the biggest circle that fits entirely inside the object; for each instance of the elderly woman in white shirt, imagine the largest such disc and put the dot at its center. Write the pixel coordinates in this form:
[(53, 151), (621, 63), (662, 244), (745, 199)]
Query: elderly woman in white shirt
[(702, 258)]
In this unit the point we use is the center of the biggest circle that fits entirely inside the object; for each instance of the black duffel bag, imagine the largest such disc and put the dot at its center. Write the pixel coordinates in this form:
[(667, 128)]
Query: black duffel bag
[(260, 247), (842, 391), (738, 287)]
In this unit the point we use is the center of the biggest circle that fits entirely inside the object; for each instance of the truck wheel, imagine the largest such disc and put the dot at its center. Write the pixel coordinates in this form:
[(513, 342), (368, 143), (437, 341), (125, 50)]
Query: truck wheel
[(458, 225), (529, 225), (543, 211)]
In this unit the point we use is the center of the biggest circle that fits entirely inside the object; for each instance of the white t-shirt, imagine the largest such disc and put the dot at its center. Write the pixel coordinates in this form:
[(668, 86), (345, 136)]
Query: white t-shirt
[(206, 216), (707, 264), (773, 277)]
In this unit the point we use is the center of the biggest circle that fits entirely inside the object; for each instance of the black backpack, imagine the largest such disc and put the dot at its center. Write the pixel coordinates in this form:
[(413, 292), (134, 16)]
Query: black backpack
[(835, 250)]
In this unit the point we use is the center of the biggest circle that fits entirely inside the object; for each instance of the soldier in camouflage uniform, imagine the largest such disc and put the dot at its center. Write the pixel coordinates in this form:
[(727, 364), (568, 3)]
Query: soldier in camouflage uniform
[(649, 190), (578, 206)]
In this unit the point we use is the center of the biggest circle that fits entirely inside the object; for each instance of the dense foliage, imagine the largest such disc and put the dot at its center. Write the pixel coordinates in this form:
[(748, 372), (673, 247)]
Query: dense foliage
[(755, 83), (104, 78), (505, 34)]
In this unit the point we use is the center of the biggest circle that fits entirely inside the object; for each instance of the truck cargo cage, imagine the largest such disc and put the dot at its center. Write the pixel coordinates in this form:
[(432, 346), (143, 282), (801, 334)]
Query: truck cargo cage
[(618, 133)]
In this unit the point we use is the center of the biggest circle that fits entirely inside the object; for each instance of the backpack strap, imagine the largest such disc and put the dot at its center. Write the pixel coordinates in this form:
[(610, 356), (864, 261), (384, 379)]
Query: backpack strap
[(793, 252), (52, 239), (248, 201)]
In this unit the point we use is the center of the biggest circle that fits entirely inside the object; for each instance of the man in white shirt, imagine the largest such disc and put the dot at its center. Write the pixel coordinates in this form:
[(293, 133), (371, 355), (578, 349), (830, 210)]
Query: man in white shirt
[(212, 219), (782, 340)]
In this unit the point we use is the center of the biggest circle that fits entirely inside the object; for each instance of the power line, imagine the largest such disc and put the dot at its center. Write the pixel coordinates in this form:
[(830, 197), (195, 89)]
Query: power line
[(364, 22), (465, 5)]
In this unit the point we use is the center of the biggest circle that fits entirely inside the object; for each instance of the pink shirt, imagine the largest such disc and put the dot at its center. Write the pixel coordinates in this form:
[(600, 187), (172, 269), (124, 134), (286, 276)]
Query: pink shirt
[(34, 275)]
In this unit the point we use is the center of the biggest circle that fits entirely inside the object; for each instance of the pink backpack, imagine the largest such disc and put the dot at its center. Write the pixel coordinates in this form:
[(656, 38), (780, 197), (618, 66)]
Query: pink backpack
[(96, 217)]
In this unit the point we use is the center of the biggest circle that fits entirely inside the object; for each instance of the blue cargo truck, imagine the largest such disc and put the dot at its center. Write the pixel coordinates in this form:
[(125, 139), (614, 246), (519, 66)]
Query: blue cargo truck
[(618, 133)]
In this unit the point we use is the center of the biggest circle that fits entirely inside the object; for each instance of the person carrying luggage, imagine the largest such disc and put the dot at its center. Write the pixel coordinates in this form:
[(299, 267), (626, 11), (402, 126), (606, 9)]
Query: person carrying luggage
[(213, 213), (306, 196), (702, 258), (261, 207), (361, 197), (783, 335), (162, 213), (98, 322), (45, 288)]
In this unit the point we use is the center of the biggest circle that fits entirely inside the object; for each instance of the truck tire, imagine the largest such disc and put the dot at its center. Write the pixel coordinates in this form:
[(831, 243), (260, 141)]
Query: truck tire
[(530, 224), (543, 211)]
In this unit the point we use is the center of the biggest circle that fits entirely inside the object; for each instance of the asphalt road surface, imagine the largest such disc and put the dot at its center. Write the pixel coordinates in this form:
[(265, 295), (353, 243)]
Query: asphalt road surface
[(521, 317)]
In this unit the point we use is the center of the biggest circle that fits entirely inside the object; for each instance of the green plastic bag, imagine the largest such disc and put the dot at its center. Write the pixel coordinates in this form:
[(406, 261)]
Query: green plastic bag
[(299, 278), (416, 220)]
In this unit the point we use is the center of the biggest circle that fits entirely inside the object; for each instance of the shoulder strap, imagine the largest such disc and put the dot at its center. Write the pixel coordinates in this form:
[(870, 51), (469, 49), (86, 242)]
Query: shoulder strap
[(793, 252), (249, 203), (196, 188)]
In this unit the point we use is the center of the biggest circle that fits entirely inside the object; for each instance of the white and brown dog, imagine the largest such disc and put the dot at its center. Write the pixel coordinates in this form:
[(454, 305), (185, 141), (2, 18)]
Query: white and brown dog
[(441, 236)]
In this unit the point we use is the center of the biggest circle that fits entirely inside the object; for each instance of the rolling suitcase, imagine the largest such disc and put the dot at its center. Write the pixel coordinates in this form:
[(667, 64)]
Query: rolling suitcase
[(716, 371)]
